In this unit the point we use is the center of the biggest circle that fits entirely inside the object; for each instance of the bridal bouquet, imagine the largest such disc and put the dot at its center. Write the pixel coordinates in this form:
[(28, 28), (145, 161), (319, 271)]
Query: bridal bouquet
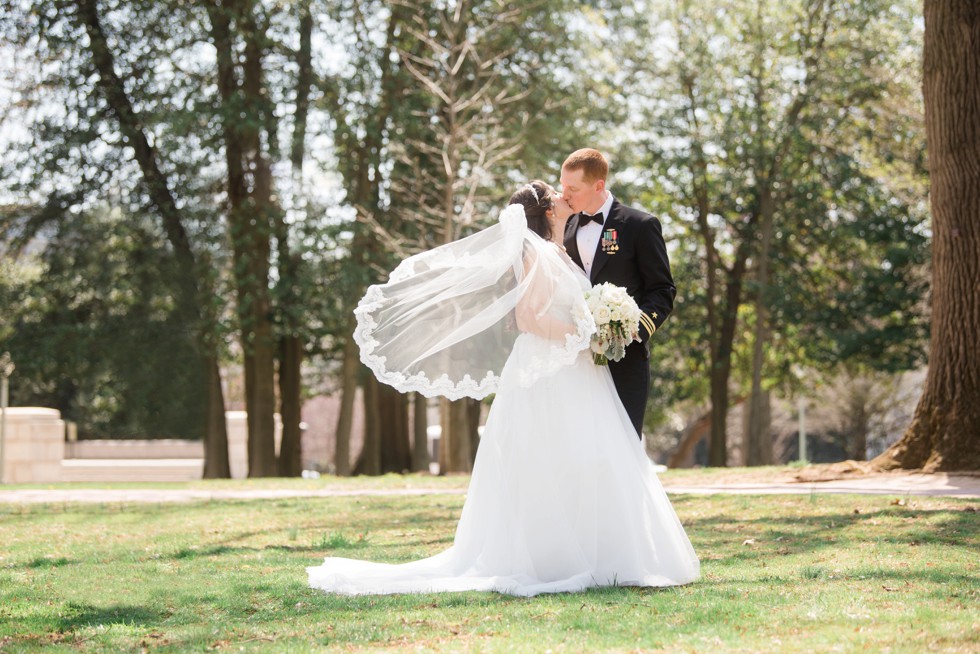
[(617, 320)]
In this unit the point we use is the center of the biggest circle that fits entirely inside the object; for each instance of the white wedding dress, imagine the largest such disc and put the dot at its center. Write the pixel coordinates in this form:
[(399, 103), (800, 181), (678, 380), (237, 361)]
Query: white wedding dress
[(562, 497)]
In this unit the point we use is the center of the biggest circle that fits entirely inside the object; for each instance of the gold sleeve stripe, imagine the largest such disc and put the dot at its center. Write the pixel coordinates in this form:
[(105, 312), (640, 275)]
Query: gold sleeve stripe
[(648, 323)]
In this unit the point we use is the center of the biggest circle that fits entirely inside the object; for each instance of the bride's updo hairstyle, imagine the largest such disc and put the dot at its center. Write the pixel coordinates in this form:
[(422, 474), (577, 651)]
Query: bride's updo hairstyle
[(537, 198)]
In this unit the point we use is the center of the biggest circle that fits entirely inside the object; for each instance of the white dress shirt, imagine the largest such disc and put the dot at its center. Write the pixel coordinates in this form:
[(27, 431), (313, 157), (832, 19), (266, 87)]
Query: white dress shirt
[(588, 235)]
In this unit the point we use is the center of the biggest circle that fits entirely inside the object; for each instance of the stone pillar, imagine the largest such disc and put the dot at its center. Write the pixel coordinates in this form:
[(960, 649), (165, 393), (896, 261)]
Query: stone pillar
[(34, 445), (238, 442)]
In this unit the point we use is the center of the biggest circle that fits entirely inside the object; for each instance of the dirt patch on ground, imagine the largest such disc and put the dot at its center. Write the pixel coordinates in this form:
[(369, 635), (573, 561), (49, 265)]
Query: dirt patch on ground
[(835, 471), (858, 469), (843, 477)]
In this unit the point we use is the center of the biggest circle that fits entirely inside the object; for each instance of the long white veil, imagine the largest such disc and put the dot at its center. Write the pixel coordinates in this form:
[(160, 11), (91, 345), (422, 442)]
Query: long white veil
[(447, 319)]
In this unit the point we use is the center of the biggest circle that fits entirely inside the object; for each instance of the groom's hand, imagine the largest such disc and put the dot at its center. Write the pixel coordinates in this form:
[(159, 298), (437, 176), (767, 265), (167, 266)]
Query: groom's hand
[(647, 327)]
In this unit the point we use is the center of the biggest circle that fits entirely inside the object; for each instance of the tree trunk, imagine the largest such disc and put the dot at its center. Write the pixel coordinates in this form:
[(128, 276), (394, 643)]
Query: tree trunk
[(263, 207), (216, 464), (194, 297), (345, 417), (757, 439), (757, 447), (396, 455), (290, 385), (945, 430), (420, 431), (473, 414), (721, 365), (369, 462), (723, 319), (249, 215), (290, 342), (718, 441), (304, 82), (261, 402), (459, 420), (858, 418)]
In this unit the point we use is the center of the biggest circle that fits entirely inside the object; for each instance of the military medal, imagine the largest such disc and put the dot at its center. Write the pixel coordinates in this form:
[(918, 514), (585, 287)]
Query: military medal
[(610, 241)]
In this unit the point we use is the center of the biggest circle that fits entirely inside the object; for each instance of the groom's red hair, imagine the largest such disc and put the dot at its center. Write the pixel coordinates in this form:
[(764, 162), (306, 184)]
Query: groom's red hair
[(591, 162)]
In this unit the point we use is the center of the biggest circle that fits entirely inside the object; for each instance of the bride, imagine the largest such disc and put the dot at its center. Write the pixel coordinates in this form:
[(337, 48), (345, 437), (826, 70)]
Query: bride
[(562, 496)]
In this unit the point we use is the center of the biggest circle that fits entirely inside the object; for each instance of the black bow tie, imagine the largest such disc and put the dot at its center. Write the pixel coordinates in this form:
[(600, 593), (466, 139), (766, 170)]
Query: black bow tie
[(585, 219)]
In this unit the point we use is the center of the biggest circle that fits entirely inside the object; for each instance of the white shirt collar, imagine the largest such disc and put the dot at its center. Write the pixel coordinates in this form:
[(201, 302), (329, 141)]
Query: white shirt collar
[(606, 206)]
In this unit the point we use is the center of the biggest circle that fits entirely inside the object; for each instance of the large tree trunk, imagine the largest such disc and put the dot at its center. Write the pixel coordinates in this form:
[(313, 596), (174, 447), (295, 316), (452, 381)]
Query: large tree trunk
[(249, 215), (721, 364), (216, 464), (396, 452), (757, 439), (945, 430), (290, 342), (194, 297), (345, 417), (263, 408), (858, 416), (722, 311), (757, 431), (369, 462), (457, 453), (290, 406)]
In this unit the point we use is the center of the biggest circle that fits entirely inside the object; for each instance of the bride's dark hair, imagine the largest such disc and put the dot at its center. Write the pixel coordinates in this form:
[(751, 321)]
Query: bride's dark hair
[(537, 198)]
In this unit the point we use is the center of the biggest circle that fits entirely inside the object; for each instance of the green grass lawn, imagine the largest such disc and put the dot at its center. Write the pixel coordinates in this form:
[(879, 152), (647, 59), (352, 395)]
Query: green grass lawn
[(780, 574)]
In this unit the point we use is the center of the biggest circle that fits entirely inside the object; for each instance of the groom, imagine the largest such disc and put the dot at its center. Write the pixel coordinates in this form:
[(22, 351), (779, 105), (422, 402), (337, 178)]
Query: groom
[(625, 247)]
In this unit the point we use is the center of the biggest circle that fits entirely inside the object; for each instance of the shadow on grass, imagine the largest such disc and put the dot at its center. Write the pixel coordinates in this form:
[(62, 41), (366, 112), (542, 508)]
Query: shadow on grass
[(76, 616), (812, 533), (220, 550), (42, 562)]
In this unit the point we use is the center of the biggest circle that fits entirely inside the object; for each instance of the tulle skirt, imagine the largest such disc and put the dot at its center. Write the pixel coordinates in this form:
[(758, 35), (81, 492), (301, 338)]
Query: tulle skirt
[(562, 498)]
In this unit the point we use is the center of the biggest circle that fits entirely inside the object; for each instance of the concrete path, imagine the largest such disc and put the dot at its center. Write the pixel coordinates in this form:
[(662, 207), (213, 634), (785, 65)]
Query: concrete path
[(897, 484), (156, 495)]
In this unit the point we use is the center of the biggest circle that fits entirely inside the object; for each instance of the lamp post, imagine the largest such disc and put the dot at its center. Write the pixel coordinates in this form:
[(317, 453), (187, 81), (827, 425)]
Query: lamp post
[(6, 369), (800, 373)]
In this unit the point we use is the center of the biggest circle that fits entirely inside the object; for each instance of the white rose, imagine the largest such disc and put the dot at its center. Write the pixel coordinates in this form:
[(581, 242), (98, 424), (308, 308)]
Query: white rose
[(602, 315)]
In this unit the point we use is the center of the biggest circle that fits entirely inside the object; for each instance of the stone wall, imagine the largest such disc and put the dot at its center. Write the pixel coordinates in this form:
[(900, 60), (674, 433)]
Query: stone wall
[(34, 445), (36, 451), (117, 448)]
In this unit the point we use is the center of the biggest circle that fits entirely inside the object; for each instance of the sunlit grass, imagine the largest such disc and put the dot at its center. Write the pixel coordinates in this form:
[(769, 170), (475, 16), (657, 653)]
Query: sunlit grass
[(780, 573)]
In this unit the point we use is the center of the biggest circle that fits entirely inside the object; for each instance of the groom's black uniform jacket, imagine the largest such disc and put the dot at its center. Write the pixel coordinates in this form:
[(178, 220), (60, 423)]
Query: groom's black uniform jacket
[(631, 253)]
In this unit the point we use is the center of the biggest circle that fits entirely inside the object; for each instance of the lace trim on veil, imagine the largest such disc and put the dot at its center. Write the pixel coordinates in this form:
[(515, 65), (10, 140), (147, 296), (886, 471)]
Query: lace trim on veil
[(552, 355), (443, 385)]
